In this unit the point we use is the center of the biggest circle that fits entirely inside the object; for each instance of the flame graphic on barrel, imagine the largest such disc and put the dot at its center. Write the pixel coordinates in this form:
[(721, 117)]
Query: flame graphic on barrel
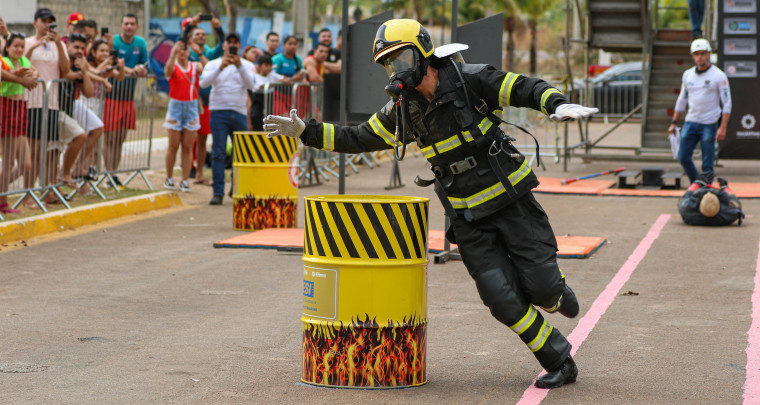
[(363, 354), (251, 212)]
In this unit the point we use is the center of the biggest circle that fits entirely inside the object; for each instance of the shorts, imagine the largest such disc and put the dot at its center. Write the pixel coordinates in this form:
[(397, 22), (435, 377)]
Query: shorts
[(13, 121), (34, 122), (87, 119), (70, 129), (118, 114), (182, 115), (205, 118)]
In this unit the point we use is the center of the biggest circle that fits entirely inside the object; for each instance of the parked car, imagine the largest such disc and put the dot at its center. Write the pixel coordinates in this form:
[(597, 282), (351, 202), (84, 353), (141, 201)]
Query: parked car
[(616, 91)]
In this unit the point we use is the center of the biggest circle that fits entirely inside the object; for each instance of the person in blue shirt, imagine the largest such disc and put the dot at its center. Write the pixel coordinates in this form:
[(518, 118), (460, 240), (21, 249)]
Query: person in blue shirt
[(119, 112), (288, 63)]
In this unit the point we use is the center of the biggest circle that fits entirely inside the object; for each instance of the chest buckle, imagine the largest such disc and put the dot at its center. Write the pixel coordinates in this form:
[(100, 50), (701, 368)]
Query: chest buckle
[(463, 165)]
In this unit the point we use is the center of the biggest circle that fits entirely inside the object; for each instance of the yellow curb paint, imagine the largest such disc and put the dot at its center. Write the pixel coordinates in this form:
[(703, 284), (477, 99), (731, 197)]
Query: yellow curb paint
[(62, 220)]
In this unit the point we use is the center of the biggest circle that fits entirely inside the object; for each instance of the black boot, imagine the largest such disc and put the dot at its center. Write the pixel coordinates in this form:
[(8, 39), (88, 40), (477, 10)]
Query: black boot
[(569, 307), (566, 374)]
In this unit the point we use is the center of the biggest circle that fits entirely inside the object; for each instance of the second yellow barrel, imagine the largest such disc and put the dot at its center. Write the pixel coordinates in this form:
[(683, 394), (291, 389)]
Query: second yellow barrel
[(264, 187)]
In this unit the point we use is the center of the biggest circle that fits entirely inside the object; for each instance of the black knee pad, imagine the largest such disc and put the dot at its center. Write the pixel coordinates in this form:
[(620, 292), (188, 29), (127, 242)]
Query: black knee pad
[(504, 301), (543, 284)]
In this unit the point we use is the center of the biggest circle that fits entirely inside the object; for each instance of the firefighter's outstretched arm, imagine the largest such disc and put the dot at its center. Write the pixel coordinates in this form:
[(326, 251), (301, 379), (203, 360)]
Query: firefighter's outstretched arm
[(292, 127)]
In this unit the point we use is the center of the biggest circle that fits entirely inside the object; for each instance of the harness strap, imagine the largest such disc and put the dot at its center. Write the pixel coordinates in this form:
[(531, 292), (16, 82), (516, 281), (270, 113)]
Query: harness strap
[(502, 176)]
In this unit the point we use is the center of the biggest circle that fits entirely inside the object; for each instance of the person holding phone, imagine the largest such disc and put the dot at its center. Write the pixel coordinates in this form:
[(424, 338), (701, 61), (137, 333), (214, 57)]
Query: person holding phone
[(201, 52), (229, 77), (47, 54), (182, 119)]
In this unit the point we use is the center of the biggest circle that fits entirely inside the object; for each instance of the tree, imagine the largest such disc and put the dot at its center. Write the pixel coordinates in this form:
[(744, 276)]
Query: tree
[(534, 10), (512, 20)]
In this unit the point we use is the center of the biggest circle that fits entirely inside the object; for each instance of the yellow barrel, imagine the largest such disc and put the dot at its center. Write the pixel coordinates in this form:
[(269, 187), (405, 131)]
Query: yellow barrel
[(264, 188), (365, 291)]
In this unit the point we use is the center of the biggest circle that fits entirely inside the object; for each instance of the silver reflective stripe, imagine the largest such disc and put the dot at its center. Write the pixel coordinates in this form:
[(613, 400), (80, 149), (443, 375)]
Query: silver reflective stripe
[(328, 136), (523, 324), (545, 97), (485, 125), (506, 89), (448, 144), (380, 130), (428, 151), (543, 334), (491, 192)]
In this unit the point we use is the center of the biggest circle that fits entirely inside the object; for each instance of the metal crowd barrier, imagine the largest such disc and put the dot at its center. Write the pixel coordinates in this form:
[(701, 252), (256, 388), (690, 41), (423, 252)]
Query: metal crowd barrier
[(50, 138)]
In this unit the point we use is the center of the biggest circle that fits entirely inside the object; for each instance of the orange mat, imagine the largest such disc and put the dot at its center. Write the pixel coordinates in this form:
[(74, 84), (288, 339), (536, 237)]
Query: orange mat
[(569, 246), (551, 185)]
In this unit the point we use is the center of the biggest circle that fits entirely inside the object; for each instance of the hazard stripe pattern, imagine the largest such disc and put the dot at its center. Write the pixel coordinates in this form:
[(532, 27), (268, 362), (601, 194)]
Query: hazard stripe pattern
[(366, 230), (257, 148)]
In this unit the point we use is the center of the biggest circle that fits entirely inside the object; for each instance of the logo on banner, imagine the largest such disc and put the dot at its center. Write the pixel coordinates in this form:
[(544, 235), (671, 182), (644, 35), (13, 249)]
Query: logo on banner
[(748, 121)]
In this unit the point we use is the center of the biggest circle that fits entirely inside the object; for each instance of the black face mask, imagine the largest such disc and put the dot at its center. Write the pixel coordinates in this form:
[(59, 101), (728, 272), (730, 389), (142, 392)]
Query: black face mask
[(405, 69)]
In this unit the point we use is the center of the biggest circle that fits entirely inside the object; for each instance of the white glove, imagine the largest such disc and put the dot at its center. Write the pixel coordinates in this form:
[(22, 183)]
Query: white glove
[(572, 112), (276, 125)]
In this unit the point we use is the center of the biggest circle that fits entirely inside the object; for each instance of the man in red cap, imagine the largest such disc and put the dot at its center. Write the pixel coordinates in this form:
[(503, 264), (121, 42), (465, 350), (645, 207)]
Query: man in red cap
[(73, 19)]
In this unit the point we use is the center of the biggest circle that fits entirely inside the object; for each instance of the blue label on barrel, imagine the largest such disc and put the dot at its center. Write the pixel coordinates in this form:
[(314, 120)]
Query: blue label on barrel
[(308, 288)]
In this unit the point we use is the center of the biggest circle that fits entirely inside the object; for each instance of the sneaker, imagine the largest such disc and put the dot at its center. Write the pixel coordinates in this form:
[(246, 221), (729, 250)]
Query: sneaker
[(118, 182), (169, 184), (184, 186), (92, 174), (216, 200)]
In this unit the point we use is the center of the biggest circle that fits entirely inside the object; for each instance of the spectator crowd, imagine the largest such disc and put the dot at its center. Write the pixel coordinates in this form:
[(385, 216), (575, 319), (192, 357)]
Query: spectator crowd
[(65, 90)]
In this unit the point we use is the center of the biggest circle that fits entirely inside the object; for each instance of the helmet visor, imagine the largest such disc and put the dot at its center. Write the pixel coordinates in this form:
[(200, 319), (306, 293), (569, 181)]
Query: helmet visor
[(404, 59)]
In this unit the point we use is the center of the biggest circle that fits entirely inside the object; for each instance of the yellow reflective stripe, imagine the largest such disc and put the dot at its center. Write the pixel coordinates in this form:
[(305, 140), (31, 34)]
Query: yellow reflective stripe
[(545, 97), (448, 144), (523, 324), (520, 173), (537, 343), (428, 151), (491, 192), (504, 96), (561, 274), (485, 125), (467, 136), (328, 136), (380, 130)]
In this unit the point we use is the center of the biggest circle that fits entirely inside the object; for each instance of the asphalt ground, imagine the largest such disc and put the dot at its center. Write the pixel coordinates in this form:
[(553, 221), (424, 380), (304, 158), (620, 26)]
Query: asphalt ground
[(145, 310)]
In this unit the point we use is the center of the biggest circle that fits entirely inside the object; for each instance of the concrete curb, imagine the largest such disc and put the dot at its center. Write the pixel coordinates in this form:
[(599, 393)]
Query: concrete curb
[(26, 228)]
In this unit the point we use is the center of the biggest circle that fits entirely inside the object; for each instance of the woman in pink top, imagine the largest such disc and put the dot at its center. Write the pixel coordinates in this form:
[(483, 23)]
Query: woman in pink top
[(182, 116)]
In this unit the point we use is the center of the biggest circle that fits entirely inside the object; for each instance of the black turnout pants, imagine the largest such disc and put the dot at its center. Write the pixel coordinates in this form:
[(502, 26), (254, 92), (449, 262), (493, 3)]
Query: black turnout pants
[(512, 256)]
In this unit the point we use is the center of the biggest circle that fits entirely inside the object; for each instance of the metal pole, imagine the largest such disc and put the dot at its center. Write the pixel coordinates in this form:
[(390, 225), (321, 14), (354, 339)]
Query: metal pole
[(343, 97), (454, 20), (146, 21)]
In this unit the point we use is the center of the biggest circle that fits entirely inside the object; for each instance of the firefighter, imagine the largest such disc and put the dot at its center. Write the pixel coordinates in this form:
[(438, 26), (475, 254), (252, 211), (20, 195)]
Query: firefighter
[(704, 204), (452, 111)]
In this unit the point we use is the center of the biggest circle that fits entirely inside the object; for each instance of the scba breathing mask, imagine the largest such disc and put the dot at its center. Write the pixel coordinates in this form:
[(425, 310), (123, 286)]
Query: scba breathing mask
[(405, 69)]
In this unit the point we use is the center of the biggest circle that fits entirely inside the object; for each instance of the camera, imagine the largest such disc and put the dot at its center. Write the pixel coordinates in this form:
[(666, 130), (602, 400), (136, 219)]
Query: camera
[(53, 26), (103, 31), (206, 17), (233, 50)]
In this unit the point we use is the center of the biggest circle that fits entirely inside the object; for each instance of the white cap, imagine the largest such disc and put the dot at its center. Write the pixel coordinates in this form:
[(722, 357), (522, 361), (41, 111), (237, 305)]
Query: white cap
[(700, 44)]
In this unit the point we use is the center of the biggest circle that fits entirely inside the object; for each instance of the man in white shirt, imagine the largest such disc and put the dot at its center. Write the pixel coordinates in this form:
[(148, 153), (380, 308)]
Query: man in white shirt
[(229, 77), (704, 88)]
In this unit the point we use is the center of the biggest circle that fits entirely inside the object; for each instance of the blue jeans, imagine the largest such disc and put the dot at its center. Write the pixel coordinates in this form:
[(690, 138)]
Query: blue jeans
[(691, 133), (696, 15), (223, 123)]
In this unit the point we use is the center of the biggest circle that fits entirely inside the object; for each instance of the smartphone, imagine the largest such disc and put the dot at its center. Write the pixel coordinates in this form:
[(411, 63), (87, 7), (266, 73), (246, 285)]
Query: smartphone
[(103, 31), (53, 26), (114, 56), (206, 17), (233, 50)]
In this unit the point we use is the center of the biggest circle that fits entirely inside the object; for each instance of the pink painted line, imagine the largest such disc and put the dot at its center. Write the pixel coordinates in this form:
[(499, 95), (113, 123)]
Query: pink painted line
[(752, 383), (534, 395)]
